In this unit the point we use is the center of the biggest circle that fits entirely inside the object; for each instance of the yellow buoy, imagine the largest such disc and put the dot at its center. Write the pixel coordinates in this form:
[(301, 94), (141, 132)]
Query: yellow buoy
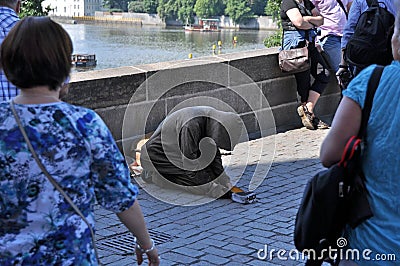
[(234, 39), (190, 56)]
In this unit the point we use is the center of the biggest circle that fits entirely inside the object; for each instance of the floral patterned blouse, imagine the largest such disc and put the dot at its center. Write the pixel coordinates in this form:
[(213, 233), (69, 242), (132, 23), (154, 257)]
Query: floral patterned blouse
[(37, 226)]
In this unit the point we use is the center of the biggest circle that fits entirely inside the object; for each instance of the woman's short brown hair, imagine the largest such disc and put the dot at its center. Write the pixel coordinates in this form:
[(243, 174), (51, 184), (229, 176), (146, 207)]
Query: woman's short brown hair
[(36, 52)]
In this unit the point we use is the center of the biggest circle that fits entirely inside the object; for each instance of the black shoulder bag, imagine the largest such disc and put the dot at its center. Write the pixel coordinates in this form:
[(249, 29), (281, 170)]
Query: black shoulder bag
[(335, 197)]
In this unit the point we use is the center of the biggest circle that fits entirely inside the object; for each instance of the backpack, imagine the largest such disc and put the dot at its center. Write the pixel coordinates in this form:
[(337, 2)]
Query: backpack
[(336, 197), (371, 41)]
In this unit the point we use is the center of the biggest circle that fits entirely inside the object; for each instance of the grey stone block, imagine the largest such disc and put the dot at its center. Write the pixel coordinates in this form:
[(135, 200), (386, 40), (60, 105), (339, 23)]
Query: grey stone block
[(251, 124), (215, 260), (249, 97), (189, 252), (286, 117), (221, 99), (280, 90), (215, 251), (238, 249), (239, 260), (113, 117), (178, 259), (258, 68), (105, 92), (187, 80), (333, 86), (142, 118), (327, 105)]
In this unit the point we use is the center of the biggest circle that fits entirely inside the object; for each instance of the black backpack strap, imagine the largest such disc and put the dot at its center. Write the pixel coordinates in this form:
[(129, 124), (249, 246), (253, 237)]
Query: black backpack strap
[(369, 98), (344, 9), (372, 2)]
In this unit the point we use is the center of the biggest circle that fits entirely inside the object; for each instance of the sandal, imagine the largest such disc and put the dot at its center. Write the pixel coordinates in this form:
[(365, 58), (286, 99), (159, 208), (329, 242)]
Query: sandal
[(307, 117), (319, 124)]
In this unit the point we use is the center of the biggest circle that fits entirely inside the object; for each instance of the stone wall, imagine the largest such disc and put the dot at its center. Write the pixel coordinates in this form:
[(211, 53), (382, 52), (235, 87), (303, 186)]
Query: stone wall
[(257, 23), (144, 18), (225, 22), (134, 100)]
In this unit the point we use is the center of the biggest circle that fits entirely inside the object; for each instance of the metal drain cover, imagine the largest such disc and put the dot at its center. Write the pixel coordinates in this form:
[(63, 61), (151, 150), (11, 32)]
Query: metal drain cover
[(124, 244)]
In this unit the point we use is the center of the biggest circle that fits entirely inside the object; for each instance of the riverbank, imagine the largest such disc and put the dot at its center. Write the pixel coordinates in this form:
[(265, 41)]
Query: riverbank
[(258, 23)]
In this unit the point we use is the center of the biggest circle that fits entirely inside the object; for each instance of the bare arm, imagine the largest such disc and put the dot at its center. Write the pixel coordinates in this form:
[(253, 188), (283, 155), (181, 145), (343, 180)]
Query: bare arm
[(346, 123), (306, 22), (316, 19), (133, 219)]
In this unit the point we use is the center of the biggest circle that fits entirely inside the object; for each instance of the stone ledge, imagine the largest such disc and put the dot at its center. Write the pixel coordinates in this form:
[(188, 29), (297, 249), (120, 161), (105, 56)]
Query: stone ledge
[(225, 81)]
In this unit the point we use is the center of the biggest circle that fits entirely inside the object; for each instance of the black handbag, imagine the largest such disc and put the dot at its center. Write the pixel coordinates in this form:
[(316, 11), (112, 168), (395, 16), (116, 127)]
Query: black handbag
[(336, 197)]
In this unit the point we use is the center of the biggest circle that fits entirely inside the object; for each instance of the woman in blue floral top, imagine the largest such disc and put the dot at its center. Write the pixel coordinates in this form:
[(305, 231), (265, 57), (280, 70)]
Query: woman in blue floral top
[(37, 225)]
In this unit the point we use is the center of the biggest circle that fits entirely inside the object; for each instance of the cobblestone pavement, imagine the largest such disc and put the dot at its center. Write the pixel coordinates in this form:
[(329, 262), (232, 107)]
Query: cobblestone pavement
[(222, 232)]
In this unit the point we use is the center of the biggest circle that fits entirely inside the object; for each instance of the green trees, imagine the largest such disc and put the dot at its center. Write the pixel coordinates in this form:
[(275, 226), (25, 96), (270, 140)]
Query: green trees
[(182, 10), (202, 8), (185, 10), (33, 8), (167, 9), (150, 6), (238, 10), (273, 8), (116, 4), (209, 8), (136, 7), (143, 6), (258, 6)]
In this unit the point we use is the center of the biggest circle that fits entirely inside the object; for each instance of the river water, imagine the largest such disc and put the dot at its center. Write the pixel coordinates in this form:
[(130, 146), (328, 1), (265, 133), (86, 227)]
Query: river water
[(128, 45)]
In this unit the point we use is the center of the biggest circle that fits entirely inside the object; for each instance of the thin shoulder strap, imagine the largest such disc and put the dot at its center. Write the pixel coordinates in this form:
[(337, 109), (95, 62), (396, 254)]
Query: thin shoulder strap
[(373, 84), (344, 9), (51, 179)]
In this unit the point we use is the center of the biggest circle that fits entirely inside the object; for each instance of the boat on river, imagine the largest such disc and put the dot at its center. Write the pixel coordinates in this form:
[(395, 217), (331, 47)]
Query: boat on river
[(84, 60), (205, 25)]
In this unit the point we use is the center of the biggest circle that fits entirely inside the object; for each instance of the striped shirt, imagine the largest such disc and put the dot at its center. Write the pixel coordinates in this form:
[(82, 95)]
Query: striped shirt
[(8, 18)]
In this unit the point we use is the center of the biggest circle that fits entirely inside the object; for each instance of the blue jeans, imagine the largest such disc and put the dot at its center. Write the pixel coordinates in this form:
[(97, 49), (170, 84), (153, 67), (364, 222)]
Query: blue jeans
[(295, 39), (331, 46)]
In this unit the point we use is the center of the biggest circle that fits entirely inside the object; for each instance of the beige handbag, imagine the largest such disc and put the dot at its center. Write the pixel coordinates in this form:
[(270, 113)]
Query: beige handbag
[(294, 60)]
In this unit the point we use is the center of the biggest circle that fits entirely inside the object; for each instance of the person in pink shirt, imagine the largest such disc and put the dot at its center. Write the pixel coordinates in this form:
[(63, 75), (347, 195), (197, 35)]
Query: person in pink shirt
[(335, 17)]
